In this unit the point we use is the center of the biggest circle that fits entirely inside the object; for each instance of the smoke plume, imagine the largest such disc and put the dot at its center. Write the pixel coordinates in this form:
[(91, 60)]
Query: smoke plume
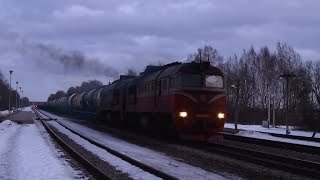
[(72, 61)]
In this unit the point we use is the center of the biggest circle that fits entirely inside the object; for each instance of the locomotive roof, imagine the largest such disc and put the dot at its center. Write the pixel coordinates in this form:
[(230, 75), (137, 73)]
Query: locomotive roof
[(192, 67), (175, 68)]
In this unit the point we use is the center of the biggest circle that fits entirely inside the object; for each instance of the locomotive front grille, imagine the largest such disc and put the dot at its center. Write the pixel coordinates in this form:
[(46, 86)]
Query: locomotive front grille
[(202, 123), (202, 115), (203, 109)]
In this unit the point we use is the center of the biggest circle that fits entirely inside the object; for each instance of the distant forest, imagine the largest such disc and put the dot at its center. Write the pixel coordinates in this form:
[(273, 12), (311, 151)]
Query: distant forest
[(255, 76), (4, 95)]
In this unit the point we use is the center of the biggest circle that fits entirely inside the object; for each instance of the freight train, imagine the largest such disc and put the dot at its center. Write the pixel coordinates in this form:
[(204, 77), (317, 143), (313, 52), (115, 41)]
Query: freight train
[(184, 97)]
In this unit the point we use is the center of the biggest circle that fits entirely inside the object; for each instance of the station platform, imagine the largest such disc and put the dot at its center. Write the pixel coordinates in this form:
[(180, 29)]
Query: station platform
[(21, 117)]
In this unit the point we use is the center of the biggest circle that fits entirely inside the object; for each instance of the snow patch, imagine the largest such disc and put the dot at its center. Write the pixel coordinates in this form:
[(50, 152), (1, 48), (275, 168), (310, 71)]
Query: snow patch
[(26, 155), (133, 171), (277, 130), (27, 109), (7, 123), (7, 130), (34, 159), (259, 135), (4, 113)]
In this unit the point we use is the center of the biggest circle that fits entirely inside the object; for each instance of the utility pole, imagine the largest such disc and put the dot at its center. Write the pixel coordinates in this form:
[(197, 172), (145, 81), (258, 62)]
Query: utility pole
[(287, 76), (200, 53), (22, 99), (10, 92), (269, 111), (274, 113), (17, 94)]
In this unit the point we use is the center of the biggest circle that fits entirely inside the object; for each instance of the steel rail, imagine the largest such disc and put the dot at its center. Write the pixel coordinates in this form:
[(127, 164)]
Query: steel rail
[(50, 118), (303, 138), (130, 160), (94, 170), (275, 144), (296, 166)]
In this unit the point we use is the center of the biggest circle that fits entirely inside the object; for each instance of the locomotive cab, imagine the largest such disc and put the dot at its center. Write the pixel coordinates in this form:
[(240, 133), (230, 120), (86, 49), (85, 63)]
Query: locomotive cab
[(199, 98)]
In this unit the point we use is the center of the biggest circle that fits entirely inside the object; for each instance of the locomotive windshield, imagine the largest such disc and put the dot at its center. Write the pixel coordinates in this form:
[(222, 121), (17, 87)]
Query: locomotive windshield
[(191, 80), (198, 80), (214, 81)]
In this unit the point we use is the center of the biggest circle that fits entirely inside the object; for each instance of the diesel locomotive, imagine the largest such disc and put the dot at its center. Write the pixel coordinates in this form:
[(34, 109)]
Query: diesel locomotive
[(184, 97)]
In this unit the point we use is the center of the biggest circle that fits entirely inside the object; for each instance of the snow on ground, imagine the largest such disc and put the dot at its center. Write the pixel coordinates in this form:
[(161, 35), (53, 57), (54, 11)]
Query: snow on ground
[(277, 130), (27, 109), (251, 131), (152, 158), (4, 113), (25, 154), (118, 163)]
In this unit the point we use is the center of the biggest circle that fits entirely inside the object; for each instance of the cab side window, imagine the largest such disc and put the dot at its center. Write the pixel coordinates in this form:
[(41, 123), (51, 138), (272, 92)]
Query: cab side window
[(164, 84)]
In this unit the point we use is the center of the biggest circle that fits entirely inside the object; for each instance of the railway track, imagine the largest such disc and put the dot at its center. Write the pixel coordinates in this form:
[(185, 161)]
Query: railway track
[(276, 144), (95, 171), (295, 137), (295, 166), (289, 164), (99, 174), (273, 161)]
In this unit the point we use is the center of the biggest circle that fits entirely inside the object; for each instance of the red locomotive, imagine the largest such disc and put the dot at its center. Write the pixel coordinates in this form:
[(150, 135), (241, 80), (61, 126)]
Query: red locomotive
[(185, 97)]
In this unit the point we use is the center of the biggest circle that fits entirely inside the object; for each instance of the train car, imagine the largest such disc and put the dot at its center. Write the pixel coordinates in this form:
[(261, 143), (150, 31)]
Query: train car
[(113, 100), (187, 97)]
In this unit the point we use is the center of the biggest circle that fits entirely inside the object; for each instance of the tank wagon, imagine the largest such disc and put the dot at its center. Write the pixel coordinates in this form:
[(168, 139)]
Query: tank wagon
[(185, 97)]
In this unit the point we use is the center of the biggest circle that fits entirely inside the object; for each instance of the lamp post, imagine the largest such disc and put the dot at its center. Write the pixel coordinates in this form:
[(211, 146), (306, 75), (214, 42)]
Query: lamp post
[(287, 76), (17, 94), (10, 92), (20, 99)]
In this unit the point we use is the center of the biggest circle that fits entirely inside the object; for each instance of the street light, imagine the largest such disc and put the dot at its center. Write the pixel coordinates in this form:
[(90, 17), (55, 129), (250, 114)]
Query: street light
[(10, 92), (20, 99), (17, 94)]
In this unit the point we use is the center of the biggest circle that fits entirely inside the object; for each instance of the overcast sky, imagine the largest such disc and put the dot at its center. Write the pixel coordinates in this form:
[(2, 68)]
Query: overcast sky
[(116, 35)]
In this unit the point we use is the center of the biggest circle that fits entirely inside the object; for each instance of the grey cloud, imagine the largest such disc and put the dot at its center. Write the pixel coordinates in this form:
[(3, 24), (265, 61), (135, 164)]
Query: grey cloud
[(123, 34)]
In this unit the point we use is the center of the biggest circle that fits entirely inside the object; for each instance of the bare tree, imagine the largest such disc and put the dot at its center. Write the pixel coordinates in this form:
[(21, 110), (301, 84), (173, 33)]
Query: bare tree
[(207, 53), (314, 77)]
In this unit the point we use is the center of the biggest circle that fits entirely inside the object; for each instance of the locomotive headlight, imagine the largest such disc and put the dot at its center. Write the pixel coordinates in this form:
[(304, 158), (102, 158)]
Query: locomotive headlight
[(220, 115), (183, 114)]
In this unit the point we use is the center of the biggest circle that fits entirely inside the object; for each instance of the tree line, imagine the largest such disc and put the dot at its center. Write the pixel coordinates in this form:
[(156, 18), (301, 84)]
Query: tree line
[(254, 82), (4, 95)]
